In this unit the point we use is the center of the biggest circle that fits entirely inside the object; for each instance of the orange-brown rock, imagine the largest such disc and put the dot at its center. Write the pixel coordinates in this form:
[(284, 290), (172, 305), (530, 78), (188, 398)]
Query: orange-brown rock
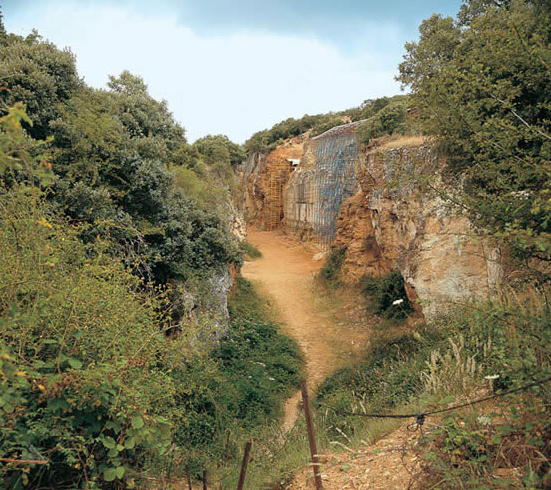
[(355, 232), (389, 223), (435, 249), (263, 179)]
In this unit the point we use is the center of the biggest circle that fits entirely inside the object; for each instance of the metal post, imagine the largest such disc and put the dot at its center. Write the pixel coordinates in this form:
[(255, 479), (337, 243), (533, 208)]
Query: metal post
[(244, 465), (311, 435)]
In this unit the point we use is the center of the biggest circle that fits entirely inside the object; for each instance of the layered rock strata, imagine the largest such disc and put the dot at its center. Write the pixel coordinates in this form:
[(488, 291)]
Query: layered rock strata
[(389, 223)]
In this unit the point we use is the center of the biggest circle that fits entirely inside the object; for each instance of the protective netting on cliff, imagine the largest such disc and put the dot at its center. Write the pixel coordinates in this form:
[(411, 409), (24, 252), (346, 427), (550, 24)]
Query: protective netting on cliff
[(337, 157)]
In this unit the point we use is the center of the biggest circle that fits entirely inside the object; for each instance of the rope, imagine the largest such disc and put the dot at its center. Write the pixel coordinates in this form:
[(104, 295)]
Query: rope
[(421, 416)]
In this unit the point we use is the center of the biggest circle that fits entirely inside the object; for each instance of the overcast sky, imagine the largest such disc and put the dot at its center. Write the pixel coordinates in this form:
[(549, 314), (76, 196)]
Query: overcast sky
[(235, 67)]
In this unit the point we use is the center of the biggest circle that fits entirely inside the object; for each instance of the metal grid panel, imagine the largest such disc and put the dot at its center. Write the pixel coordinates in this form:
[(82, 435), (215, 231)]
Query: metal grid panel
[(277, 178), (337, 158)]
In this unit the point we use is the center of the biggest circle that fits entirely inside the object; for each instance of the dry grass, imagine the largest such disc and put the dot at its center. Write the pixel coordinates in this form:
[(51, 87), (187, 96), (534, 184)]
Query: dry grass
[(399, 141)]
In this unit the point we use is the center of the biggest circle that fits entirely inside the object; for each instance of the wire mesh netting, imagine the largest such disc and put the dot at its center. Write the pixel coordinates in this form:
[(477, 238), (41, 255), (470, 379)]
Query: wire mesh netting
[(337, 157)]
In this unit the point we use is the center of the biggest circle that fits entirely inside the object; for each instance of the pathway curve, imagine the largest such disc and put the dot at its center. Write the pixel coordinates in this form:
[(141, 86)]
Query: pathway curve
[(285, 273)]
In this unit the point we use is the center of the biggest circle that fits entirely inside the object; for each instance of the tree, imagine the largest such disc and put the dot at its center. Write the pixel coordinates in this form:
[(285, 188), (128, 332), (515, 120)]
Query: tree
[(152, 129), (39, 75), (220, 148), (3, 32), (483, 90)]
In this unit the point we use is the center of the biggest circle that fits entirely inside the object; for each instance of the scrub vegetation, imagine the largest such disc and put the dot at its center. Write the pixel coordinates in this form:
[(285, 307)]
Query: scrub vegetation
[(108, 218), (114, 369)]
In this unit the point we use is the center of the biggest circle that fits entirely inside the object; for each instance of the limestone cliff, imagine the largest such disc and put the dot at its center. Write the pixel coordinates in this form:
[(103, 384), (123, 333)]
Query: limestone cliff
[(300, 197), (263, 178), (390, 224)]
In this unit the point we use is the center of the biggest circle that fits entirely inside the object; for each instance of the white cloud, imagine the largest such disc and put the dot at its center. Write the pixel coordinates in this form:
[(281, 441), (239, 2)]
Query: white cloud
[(233, 84)]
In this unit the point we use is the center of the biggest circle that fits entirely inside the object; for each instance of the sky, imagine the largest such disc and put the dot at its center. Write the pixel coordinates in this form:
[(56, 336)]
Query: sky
[(236, 67)]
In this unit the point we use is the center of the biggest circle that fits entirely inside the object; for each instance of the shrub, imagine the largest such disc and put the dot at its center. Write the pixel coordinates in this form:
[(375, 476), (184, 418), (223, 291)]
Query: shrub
[(250, 250), (389, 120), (383, 292), (245, 303), (331, 270), (85, 346)]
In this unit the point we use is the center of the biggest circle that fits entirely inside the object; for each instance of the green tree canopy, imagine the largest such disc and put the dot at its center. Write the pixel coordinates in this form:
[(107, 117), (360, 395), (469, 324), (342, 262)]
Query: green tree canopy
[(39, 75), (482, 86)]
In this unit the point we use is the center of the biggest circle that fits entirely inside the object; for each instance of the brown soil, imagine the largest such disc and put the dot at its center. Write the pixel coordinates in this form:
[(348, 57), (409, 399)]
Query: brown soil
[(285, 272), (389, 464)]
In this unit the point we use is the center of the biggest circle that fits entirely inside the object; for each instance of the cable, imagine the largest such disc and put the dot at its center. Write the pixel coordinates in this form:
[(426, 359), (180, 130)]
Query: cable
[(421, 416)]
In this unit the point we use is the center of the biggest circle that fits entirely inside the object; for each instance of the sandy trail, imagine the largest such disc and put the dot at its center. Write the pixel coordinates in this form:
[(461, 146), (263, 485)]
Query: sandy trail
[(286, 273)]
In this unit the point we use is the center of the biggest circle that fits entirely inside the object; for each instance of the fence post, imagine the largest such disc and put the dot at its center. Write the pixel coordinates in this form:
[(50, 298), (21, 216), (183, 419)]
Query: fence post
[(311, 435), (244, 465), (205, 480), (188, 478)]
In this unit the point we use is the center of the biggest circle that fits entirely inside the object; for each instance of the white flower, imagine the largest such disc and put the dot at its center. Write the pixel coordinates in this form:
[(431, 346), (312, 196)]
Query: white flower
[(398, 302)]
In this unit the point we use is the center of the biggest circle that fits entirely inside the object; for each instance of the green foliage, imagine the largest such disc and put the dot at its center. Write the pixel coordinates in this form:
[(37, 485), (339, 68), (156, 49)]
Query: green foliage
[(481, 84), (239, 386), (219, 147), (266, 140), (326, 124), (509, 339), (330, 272), (262, 365), (16, 159), (446, 363), (113, 153), (391, 119), (91, 379), (383, 292), (40, 76), (85, 348), (250, 250), (152, 129), (389, 377), (108, 151), (382, 120), (246, 304)]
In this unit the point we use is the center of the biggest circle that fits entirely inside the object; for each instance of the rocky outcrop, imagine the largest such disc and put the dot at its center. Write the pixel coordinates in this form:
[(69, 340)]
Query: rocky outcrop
[(204, 302), (253, 187), (434, 248), (263, 178), (389, 223)]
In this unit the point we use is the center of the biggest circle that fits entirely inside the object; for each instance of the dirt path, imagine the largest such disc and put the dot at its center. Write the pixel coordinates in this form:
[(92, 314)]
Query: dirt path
[(286, 272), (388, 464)]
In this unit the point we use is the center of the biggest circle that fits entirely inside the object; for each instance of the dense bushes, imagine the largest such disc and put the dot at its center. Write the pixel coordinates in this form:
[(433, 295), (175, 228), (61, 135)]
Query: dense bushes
[(90, 382), (481, 86), (85, 346), (386, 295), (330, 272), (100, 226), (385, 116), (122, 165), (446, 363), (390, 120), (389, 376), (239, 386)]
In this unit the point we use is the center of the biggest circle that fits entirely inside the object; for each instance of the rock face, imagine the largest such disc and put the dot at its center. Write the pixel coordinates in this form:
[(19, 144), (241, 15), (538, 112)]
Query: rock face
[(263, 178), (435, 249), (221, 283), (300, 197), (252, 179), (390, 224), (206, 299)]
